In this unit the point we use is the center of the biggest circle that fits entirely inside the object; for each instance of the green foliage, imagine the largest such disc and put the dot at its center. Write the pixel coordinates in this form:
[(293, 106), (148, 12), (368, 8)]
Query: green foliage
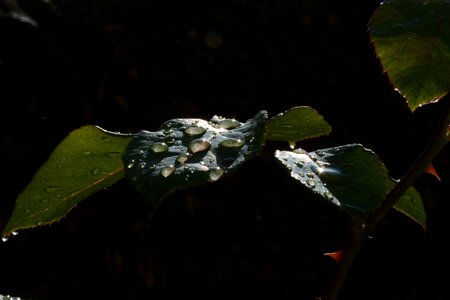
[(86, 161), (296, 124), (412, 39), (188, 152)]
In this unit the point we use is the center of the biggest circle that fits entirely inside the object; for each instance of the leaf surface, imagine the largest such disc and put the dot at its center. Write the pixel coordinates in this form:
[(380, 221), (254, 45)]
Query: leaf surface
[(349, 176), (86, 161), (296, 124), (188, 152), (412, 40)]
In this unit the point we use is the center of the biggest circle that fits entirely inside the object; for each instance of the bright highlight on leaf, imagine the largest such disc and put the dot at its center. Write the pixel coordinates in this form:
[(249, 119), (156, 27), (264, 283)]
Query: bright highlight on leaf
[(412, 39), (189, 152), (296, 124), (349, 176), (86, 161)]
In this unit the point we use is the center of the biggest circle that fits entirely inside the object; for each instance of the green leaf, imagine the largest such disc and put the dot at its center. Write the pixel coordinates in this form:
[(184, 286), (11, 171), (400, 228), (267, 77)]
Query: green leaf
[(189, 152), (412, 40), (86, 161), (349, 176), (411, 205), (296, 124)]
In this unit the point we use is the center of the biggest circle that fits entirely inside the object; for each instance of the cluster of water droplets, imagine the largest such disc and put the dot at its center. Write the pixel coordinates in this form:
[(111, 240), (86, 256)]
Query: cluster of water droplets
[(187, 147), (309, 168), (7, 297), (5, 239)]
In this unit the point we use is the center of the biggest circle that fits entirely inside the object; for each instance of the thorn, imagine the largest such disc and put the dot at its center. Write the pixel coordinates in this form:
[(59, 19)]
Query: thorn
[(337, 256), (430, 170)]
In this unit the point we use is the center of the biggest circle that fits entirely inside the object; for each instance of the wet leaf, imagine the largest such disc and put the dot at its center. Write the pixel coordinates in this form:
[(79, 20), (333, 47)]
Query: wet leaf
[(412, 40), (86, 161), (296, 124), (189, 152), (351, 177)]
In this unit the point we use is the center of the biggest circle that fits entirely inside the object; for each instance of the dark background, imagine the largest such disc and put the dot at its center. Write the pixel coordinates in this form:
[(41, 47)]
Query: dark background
[(131, 65)]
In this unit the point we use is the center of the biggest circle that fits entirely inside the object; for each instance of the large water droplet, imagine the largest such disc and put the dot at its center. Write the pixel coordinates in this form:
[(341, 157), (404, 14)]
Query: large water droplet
[(199, 145), (159, 147), (167, 171), (195, 131), (96, 171), (231, 143), (228, 123), (215, 174), (311, 183)]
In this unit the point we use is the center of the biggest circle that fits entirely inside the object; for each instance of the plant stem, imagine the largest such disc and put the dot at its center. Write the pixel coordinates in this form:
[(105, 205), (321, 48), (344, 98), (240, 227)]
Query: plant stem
[(357, 236)]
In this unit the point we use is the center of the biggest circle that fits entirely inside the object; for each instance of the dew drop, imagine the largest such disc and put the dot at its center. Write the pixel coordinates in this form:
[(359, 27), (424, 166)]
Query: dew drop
[(292, 144), (14, 233), (228, 123), (141, 152), (96, 171), (310, 175), (199, 145), (159, 147), (4, 239), (167, 171), (195, 131), (231, 143), (311, 183), (328, 195), (87, 153), (182, 159), (215, 174), (131, 164), (52, 189), (142, 165), (39, 223)]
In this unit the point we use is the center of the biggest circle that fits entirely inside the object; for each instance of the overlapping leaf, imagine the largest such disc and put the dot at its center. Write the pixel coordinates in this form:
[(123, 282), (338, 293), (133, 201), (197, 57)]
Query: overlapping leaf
[(188, 152), (349, 176), (86, 161), (412, 39), (296, 124)]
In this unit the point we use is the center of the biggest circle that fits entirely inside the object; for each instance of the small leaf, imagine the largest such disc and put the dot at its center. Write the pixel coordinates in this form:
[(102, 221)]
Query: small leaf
[(86, 161), (412, 39), (349, 176), (410, 204), (296, 124), (188, 152)]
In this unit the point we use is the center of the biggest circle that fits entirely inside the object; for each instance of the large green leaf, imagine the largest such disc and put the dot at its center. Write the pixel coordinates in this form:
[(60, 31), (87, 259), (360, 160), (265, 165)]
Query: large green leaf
[(296, 124), (188, 152), (86, 161), (412, 39), (351, 177)]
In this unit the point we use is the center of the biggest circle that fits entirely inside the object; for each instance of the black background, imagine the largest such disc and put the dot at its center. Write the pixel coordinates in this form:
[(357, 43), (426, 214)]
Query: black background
[(131, 65)]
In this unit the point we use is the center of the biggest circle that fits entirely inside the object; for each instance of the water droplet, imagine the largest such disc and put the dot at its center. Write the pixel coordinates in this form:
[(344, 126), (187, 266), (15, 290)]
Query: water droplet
[(141, 152), (310, 175), (96, 171), (4, 239), (328, 195), (292, 144), (215, 174), (142, 164), (231, 143), (195, 130), (159, 147), (52, 189), (299, 164), (131, 164), (167, 171), (311, 183), (199, 145), (14, 233), (228, 123), (39, 223)]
